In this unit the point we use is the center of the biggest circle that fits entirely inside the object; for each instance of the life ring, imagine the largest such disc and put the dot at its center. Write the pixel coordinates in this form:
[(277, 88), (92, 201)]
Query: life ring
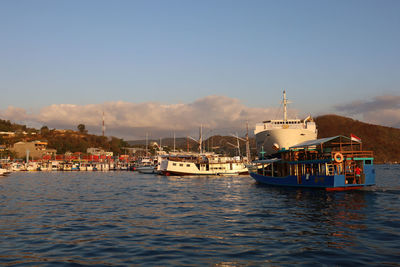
[(338, 157)]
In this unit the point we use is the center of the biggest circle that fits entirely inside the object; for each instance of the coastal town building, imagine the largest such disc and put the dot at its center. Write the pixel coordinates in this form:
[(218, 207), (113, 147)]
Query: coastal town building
[(35, 149), (7, 134), (98, 152)]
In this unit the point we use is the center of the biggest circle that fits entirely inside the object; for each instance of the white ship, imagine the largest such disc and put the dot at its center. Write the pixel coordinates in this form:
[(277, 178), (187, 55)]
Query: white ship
[(275, 135)]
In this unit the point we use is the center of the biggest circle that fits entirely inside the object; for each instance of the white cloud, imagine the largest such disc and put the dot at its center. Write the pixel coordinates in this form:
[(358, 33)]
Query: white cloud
[(217, 114), (220, 114), (381, 110)]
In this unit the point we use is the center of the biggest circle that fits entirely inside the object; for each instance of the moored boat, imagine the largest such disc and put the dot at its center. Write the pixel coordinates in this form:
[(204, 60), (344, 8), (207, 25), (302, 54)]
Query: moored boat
[(202, 164), (4, 172), (334, 163), (146, 165)]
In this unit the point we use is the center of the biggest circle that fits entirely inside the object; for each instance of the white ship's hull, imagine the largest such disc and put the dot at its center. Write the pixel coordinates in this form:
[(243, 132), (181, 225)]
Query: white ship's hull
[(277, 139)]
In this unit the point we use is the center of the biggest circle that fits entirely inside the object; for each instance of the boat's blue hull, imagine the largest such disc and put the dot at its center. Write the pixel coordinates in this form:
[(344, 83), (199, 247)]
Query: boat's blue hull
[(328, 182)]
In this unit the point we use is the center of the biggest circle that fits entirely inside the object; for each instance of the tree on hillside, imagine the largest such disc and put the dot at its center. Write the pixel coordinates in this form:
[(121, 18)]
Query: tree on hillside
[(44, 130), (5, 126), (82, 128)]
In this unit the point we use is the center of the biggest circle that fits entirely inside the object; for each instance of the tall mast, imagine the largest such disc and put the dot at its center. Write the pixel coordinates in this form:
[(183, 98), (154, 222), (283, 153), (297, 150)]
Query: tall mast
[(247, 143), (146, 143), (174, 141), (201, 139), (284, 107), (103, 126), (238, 145)]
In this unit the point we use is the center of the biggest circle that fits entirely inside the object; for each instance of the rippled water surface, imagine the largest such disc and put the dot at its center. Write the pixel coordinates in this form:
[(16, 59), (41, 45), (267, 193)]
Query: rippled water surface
[(127, 218)]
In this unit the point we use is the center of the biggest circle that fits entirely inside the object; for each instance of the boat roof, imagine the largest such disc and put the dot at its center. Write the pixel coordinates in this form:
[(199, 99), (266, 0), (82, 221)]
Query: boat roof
[(318, 141), (266, 160)]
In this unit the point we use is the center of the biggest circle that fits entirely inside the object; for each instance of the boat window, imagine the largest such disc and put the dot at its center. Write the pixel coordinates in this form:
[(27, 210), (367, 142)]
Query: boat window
[(368, 162), (181, 165), (187, 165), (173, 164)]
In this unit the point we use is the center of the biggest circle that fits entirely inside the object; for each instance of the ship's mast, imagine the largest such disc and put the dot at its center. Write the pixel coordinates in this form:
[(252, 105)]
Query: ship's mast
[(174, 141), (103, 126), (247, 143), (201, 139), (147, 137), (284, 107)]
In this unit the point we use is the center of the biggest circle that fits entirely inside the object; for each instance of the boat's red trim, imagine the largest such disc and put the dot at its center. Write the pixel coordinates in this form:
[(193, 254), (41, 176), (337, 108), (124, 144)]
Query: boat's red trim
[(344, 188)]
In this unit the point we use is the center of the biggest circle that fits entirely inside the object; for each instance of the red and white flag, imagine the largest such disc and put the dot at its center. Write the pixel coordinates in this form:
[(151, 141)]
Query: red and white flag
[(355, 138)]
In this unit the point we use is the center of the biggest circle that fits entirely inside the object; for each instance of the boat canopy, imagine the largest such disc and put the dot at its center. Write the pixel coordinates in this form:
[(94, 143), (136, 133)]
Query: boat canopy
[(318, 141), (266, 161)]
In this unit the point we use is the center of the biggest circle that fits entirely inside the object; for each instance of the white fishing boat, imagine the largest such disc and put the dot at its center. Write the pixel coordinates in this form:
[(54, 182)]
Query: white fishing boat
[(146, 165), (17, 166), (55, 165), (202, 164), (45, 166), (278, 135), (33, 166), (4, 172), (146, 169)]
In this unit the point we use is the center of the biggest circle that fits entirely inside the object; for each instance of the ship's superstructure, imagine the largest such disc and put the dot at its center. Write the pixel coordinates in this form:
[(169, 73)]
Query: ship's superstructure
[(276, 135)]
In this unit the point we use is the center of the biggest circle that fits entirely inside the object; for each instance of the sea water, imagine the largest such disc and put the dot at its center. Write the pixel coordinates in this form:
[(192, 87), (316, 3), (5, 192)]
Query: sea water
[(128, 218)]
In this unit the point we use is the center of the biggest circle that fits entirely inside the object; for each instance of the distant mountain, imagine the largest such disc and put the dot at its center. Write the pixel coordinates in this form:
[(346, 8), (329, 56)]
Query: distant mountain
[(383, 141)]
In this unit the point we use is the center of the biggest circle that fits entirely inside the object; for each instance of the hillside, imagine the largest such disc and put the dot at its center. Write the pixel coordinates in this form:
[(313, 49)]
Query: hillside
[(61, 140), (384, 141)]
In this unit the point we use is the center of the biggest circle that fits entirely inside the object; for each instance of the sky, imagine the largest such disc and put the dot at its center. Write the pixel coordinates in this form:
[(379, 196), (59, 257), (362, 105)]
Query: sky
[(169, 66)]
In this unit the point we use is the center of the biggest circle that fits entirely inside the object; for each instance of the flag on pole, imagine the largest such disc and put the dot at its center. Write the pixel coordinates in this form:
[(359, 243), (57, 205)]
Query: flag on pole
[(355, 138)]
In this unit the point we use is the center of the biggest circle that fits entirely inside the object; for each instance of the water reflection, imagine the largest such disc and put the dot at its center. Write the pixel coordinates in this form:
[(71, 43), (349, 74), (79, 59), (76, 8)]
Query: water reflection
[(339, 216), (127, 219)]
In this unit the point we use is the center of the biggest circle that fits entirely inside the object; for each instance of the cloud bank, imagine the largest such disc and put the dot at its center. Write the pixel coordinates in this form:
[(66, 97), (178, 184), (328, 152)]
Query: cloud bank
[(381, 110), (219, 114)]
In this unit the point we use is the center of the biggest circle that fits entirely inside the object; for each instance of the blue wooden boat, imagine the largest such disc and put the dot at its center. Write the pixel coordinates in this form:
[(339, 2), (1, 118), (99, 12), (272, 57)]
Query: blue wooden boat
[(333, 163)]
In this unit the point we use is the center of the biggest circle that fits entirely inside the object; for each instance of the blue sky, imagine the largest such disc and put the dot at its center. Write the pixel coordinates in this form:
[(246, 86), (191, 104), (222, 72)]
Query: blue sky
[(326, 54)]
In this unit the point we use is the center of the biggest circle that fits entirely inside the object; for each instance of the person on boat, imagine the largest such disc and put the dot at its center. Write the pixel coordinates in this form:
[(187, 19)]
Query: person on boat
[(357, 172), (348, 167)]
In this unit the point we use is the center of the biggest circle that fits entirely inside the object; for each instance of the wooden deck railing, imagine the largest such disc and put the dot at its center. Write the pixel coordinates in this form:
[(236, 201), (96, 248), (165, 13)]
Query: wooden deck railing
[(354, 154)]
